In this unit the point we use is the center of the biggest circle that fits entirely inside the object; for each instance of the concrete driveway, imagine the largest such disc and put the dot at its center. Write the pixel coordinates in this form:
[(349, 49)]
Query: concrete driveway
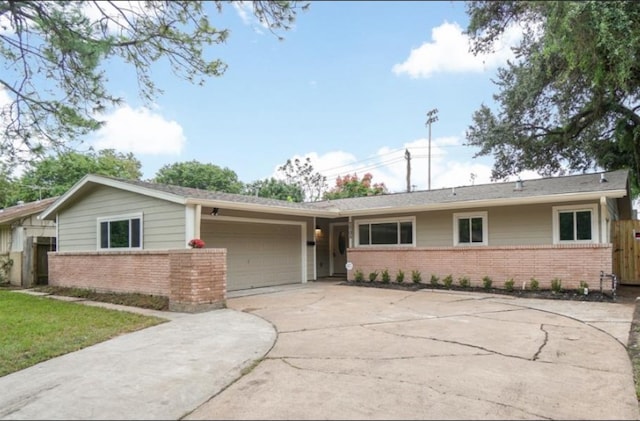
[(364, 353)]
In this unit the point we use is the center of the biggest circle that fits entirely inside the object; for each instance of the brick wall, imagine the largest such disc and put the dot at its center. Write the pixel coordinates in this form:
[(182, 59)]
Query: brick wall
[(193, 279), (570, 263)]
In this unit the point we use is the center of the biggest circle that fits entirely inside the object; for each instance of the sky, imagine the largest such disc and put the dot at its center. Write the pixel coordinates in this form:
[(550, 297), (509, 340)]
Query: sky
[(349, 87)]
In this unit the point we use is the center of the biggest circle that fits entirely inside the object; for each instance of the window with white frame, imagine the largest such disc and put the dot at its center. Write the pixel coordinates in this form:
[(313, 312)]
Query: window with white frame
[(386, 232), (575, 224), (120, 232), (470, 229)]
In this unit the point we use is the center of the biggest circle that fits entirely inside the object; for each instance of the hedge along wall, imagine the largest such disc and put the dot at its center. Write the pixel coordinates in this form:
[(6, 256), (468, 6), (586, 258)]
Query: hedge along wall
[(193, 279), (569, 263)]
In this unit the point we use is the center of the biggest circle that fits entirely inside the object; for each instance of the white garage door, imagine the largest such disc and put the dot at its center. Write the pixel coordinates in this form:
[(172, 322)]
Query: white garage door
[(258, 254)]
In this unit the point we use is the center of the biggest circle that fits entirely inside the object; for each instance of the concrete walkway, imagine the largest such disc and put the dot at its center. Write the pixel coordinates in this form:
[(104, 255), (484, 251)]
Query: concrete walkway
[(328, 351)]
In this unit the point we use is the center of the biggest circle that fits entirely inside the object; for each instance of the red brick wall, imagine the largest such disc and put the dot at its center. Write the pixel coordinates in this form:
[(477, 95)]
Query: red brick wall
[(193, 280), (570, 263)]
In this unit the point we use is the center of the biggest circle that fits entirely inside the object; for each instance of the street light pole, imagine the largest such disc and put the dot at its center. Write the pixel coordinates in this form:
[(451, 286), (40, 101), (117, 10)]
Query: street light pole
[(432, 117)]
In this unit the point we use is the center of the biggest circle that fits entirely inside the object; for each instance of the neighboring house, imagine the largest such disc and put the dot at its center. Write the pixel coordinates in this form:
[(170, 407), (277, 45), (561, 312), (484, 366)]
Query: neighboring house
[(543, 228), (24, 243)]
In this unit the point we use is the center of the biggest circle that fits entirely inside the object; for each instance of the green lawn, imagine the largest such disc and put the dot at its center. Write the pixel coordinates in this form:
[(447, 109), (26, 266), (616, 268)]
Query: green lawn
[(35, 329)]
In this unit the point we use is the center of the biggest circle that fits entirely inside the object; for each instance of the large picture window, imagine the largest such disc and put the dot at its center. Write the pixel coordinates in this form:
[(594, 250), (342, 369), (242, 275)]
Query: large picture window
[(121, 232), (470, 229), (573, 224), (387, 232)]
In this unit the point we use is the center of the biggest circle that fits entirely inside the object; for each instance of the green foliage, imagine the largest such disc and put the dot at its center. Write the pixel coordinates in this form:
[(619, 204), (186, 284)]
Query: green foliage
[(358, 276), (400, 276), (352, 186), (464, 282), (556, 285), (584, 288), (373, 276), (274, 189), (53, 55), (570, 101), (304, 176), (416, 276), (5, 267), (386, 278), (53, 175), (434, 280), (199, 176), (534, 285), (487, 282), (508, 284), (447, 281)]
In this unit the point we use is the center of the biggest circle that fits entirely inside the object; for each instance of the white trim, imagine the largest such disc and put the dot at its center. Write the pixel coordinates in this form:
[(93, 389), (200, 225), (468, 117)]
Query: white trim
[(592, 207), (57, 234), (604, 220), (468, 215), (315, 250), (190, 219), (301, 224), (398, 220), (119, 217)]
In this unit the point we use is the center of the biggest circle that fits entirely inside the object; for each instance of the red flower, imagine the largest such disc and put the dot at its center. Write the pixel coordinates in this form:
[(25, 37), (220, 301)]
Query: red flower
[(196, 243)]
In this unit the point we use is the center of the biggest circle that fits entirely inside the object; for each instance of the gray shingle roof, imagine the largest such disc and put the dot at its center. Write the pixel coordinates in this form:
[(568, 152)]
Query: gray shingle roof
[(10, 214)]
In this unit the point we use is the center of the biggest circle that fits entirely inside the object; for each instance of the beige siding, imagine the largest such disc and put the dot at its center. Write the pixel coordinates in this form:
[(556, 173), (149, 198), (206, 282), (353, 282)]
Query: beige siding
[(163, 222), (5, 239), (508, 225)]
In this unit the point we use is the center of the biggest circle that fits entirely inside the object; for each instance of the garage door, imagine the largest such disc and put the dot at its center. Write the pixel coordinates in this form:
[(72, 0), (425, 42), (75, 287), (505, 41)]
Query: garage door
[(258, 255)]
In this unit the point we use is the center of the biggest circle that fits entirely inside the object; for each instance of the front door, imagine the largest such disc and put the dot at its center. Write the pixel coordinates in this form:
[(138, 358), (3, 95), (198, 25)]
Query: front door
[(339, 244)]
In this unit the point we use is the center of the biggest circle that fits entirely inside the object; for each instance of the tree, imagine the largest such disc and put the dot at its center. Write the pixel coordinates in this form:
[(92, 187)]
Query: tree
[(351, 186), (199, 176), (570, 100), (312, 183), (275, 189), (53, 54), (54, 175)]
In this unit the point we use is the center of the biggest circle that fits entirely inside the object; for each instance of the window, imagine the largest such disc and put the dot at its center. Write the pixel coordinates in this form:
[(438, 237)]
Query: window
[(120, 232), (385, 232), (573, 224), (470, 229)]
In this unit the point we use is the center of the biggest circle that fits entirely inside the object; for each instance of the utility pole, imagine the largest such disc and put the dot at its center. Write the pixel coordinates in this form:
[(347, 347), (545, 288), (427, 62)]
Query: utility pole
[(407, 156), (432, 117)]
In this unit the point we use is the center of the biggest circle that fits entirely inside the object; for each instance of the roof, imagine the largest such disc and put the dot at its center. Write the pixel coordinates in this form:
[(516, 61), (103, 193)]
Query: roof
[(10, 214), (542, 190)]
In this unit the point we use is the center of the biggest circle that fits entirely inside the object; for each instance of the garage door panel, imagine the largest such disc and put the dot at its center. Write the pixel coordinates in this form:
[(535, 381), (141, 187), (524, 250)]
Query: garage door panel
[(258, 254)]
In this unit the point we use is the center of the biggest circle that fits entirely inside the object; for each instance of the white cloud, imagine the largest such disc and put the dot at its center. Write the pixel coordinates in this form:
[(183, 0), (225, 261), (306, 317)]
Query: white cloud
[(140, 131), (449, 52)]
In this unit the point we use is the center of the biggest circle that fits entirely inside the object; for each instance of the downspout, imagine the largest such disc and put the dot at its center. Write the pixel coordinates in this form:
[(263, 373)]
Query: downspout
[(604, 221)]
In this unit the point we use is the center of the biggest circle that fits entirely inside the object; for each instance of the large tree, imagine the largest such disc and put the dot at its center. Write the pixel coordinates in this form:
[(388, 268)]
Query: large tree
[(275, 189), (302, 174), (569, 100), (53, 55), (351, 185), (200, 176), (55, 174)]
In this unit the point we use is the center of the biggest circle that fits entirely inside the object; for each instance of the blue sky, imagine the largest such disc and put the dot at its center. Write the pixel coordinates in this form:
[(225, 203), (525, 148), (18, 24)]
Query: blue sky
[(349, 87)]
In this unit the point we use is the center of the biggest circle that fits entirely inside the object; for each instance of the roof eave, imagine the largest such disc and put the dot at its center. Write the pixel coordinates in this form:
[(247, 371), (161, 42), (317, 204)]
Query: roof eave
[(466, 204), (50, 212), (257, 207)]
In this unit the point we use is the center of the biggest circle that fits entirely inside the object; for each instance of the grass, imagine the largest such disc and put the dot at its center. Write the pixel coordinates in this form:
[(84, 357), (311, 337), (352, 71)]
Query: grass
[(36, 329)]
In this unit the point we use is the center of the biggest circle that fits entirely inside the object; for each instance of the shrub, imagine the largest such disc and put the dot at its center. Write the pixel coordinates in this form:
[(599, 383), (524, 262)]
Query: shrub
[(508, 284), (385, 276), (434, 280), (358, 275), (464, 282), (400, 276), (373, 276), (486, 282), (448, 281), (584, 288), (556, 285), (534, 285), (416, 277)]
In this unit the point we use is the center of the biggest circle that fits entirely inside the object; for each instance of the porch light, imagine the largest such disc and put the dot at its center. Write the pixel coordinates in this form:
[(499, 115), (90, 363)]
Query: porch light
[(318, 230)]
